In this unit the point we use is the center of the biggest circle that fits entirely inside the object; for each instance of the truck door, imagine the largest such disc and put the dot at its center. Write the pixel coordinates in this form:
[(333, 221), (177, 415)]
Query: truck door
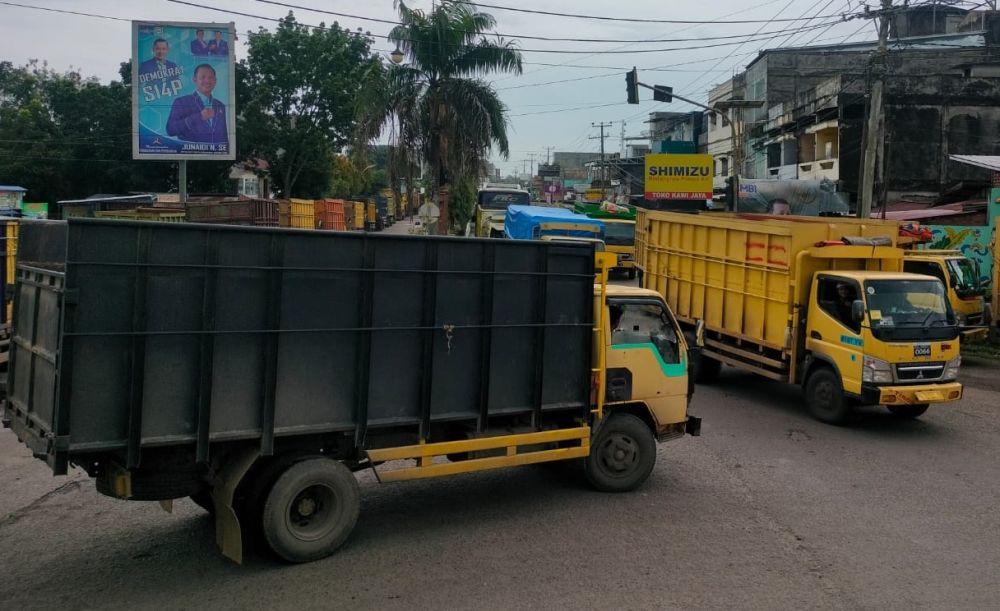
[(647, 358), (831, 330)]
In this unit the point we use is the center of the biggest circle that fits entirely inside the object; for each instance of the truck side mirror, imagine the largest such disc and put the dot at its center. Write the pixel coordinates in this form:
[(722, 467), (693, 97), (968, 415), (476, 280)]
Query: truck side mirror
[(858, 310), (699, 333)]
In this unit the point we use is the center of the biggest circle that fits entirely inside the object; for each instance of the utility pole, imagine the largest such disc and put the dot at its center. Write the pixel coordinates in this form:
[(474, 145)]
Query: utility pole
[(623, 140), (873, 133), (602, 126), (548, 152), (531, 156), (604, 169)]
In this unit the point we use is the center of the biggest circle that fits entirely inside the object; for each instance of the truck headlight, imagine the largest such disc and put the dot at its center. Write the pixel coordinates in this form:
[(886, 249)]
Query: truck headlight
[(876, 371), (961, 319), (951, 369)]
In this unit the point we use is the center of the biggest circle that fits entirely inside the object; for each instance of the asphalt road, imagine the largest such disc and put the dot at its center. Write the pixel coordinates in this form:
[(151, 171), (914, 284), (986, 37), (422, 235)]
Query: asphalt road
[(768, 509)]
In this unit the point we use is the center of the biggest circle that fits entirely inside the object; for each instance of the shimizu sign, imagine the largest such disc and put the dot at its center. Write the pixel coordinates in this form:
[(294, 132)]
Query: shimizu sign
[(671, 176)]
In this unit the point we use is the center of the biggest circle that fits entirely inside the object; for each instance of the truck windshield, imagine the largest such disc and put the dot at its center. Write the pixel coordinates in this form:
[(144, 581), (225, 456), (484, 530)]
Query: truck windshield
[(619, 234), (499, 200), (964, 278), (909, 309)]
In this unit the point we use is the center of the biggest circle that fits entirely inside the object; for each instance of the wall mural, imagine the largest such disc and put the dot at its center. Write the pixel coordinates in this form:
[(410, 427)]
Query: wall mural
[(974, 241)]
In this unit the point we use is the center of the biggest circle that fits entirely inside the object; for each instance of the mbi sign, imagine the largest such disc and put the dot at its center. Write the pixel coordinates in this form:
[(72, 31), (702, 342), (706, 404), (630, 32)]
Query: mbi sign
[(670, 176)]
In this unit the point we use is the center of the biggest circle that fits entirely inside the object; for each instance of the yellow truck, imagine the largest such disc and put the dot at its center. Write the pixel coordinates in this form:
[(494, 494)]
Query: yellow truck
[(491, 207), (960, 276), (619, 232), (819, 302)]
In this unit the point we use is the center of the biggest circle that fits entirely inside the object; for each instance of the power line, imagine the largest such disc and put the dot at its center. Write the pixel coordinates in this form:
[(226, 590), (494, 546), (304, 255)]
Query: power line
[(521, 36), (627, 19), (67, 12)]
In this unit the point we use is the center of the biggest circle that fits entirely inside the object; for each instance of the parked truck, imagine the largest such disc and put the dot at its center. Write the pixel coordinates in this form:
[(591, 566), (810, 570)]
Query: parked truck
[(819, 302), (254, 370)]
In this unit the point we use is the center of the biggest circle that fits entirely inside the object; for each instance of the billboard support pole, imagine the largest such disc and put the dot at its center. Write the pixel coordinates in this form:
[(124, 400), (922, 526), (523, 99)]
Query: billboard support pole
[(182, 180)]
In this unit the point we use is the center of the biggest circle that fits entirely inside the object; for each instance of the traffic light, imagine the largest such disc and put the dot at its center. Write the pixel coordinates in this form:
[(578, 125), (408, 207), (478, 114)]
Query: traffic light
[(663, 94), (632, 85)]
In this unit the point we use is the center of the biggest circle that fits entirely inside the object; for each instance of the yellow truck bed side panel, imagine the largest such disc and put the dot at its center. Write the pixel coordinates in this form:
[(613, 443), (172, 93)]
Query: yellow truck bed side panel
[(740, 272)]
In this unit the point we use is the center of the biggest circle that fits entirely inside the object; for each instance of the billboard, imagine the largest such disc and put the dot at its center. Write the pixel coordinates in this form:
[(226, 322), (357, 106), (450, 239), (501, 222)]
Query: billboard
[(183, 90), (671, 176)]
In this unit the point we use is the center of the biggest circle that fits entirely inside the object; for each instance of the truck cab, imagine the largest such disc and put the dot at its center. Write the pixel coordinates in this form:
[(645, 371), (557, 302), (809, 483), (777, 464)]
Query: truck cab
[(961, 278), (619, 236), (491, 207), (879, 338), (646, 359), (619, 232)]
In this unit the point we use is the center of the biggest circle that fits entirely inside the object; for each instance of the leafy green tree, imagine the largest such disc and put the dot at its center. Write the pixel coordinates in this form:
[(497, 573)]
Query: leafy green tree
[(300, 84), (436, 102)]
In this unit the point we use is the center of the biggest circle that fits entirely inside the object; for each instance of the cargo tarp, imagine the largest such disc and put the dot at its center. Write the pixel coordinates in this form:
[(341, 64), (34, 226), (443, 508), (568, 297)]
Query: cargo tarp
[(524, 223)]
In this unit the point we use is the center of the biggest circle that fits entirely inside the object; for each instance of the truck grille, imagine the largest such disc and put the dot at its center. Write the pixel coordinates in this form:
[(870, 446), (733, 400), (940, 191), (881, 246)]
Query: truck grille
[(909, 372), (974, 320)]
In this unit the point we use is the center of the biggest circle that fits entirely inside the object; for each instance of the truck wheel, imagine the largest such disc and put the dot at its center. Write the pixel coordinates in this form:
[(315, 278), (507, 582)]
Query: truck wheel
[(908, 411), (708, 370), (825, 397), (311, 509), (622, 455)]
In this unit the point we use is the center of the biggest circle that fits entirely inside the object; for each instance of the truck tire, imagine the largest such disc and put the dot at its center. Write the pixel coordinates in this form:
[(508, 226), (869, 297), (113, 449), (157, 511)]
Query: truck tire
[(825, 397), (908, 411), (622, 455), (311, 509), (708, 370)]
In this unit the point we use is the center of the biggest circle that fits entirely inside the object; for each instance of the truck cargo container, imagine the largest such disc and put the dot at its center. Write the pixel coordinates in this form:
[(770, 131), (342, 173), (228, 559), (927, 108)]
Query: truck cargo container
[(298, 213), (820, 302), (255, 369), (329, 214), (546, 223), (233, 211)]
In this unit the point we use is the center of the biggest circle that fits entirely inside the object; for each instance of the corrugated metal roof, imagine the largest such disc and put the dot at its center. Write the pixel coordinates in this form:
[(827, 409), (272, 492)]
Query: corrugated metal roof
[(11, 188), (990, 162)]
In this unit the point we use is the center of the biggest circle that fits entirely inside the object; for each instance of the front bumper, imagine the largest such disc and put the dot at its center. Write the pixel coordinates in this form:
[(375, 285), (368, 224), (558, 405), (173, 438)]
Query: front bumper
[(911, 395)]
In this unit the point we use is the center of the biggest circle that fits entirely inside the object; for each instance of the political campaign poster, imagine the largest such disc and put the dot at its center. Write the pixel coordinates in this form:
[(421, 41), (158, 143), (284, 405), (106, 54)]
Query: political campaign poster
[(183, 90)]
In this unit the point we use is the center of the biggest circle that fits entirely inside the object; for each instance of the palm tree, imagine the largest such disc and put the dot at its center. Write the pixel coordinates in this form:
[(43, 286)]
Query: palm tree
[(436, 103)]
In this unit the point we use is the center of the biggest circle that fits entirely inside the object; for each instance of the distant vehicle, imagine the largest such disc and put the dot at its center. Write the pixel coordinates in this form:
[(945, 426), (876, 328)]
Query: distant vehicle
[(491, 206)]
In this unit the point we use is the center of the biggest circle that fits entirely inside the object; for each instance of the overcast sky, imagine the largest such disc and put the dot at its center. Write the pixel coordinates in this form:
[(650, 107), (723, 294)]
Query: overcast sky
[(555, 115)]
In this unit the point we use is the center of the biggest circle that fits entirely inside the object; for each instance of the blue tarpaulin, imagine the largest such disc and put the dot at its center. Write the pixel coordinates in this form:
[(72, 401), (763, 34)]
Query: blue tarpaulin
[(525, 223)]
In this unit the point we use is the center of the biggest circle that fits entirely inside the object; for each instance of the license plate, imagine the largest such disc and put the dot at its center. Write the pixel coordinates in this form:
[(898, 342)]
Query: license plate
[(922, 350)]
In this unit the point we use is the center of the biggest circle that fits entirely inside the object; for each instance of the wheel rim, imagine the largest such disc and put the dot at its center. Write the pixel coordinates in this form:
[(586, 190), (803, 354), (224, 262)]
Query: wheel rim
[(619, 454), (311, 515)]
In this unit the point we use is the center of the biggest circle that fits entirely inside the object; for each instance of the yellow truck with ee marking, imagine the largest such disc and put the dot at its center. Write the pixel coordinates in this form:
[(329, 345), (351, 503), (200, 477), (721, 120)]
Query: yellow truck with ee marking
[(819, 302)]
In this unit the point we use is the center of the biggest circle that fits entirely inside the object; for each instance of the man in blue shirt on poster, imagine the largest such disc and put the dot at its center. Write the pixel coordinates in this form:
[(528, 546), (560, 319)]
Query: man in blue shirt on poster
[(218, 46), (198, 45), (159, 65), (199, 117)]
